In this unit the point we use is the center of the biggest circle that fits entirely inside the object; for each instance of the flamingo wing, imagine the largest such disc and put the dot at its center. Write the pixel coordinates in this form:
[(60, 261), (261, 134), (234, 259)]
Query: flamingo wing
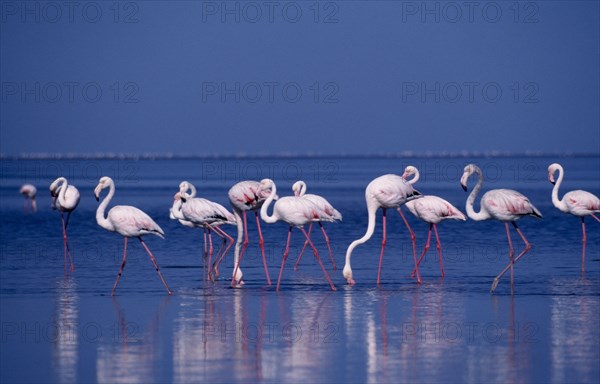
[(582, 203), (132, 222), (507, 204)]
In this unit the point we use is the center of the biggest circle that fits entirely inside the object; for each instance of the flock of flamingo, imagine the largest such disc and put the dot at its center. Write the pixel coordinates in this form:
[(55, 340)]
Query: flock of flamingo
[(385, 192)]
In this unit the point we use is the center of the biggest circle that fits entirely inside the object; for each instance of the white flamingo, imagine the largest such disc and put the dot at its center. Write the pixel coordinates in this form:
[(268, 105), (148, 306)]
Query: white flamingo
[(326, 213), (127, 221), (246, 196), (65, 198), (578, 203), (505, 205), (29, 191), (387, 191), (295, 212), (205, 214), (432, 210)]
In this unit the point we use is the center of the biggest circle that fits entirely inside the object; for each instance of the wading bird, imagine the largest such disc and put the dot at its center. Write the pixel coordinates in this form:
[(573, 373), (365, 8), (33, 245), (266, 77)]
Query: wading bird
[(505, 205), (432, 210), (246, 196), (65, 198), (295, 212), (127, 221), (578, 203), (29, 191), (387, 191), (326, 213)]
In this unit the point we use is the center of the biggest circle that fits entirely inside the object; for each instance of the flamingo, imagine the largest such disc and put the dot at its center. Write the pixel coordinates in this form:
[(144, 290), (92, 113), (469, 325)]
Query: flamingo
[(326, 213), (296, 212), (65, 198), (205, 214), (29, 191), (246, 196), (505, 205), (432, 210), (387, 191), (127, 221), (578, 203)]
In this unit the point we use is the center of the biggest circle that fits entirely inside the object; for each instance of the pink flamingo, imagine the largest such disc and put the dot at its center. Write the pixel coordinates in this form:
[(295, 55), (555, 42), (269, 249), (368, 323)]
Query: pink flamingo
[(29, 191), (246, 196), (205, 214), (578, 203), (326, 213), (127, 221), (295, 212), (387, 191), (432, 210), (505, 205), (65, 198)]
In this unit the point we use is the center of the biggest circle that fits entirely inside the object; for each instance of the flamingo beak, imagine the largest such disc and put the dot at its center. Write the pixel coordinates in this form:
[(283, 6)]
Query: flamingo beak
[(464, 187)]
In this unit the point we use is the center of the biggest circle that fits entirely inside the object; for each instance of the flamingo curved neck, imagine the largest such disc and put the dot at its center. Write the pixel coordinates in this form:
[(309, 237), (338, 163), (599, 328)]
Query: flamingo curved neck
[(559, 203), (176, 210), (372, 210), (263, 210), (302, 188), (63, 191), (100, 219), (481, 215), (417, 176)]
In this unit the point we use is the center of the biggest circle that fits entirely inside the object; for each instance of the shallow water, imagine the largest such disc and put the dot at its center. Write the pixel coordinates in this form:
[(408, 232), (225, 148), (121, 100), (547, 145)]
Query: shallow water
[(66, 327)]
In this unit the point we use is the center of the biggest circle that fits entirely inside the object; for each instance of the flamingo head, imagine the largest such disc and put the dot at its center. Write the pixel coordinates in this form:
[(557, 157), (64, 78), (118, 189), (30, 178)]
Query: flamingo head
[(552, 168), (299, 188), (347, 272), (104, 182), (408, 171), (266, 184), (468, 171), (184, 187)]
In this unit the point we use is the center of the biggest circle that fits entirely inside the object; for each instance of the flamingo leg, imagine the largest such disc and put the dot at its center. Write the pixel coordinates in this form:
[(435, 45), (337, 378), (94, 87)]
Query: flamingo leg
[(424, 250), (66, 241), (583, 241), (285, 255), (211, 267), (318, 259), (204, 255), (595, 217), (122, 266), (303, 248), (328, 246), (383, 242), (229, 240), (244, 245), (155, 265), (413, 240), (210, 250), (439, 249), (261, 243), (509, 266)]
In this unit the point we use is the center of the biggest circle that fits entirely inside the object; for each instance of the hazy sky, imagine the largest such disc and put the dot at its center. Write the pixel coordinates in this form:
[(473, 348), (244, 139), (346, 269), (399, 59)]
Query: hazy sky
[(213, 77)]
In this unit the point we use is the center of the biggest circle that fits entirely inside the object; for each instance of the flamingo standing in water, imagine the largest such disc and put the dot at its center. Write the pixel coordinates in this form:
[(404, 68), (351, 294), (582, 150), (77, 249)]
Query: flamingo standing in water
[(578, 203), (246, 196), (203, 213), (29, 191), (432, 210), (326, 213), (505, 205), (127, 221), (295, 212), (387, 191), (65, 198)]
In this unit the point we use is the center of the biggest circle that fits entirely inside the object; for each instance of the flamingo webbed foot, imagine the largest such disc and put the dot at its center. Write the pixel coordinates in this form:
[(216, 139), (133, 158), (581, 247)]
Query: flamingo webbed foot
[(494, 285)]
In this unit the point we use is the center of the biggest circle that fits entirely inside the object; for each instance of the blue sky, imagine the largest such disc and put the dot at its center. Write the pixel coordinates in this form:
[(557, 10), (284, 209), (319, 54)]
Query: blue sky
[(341, 77)]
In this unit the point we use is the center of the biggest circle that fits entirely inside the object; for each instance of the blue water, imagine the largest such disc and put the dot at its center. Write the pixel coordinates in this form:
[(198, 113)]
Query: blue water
[(67, 328)]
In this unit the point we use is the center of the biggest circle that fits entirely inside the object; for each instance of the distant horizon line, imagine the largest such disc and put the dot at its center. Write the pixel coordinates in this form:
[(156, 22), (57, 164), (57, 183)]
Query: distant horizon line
[(259, 155)]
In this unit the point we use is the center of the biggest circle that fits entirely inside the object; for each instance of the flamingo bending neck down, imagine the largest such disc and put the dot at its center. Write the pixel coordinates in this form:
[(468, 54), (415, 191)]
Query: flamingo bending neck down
[(505, 205), (247, 196), (296, 213), (578, 203), (432, 210), (29, 191), (205, 214), (65, 198), (387, 191), (326, 213), (127, 221)]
